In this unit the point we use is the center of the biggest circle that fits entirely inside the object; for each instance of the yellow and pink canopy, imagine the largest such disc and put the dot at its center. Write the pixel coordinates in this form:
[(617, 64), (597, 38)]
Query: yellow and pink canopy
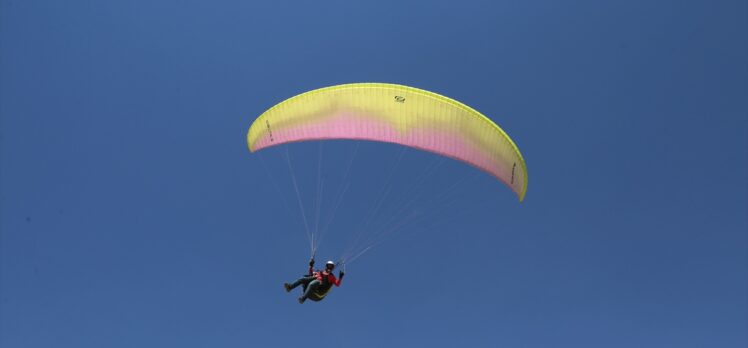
[(395, 114)]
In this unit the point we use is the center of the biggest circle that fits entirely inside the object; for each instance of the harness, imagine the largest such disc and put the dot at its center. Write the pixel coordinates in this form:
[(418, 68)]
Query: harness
[(321, 291)]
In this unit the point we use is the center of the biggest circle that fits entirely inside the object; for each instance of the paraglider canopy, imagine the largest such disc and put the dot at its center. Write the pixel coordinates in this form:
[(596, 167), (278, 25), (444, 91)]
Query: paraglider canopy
[(396, 114)]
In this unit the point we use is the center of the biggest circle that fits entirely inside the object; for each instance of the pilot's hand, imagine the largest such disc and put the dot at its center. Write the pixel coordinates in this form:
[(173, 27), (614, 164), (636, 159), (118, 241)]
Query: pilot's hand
[(311, 263), (341, 274)]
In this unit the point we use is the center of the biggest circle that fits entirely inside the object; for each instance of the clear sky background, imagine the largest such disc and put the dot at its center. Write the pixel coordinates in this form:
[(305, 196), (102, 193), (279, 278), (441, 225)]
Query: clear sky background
[(133, 215)]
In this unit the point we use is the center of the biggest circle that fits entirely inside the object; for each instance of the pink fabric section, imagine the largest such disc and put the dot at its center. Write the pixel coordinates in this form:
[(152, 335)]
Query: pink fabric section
[(352, 126)]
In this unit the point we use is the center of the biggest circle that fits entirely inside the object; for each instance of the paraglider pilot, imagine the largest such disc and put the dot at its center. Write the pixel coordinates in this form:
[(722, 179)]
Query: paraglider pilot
[(316, 284)]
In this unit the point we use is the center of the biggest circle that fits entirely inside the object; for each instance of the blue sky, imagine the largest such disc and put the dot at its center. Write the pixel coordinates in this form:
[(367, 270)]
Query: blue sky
[(132, 214)]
